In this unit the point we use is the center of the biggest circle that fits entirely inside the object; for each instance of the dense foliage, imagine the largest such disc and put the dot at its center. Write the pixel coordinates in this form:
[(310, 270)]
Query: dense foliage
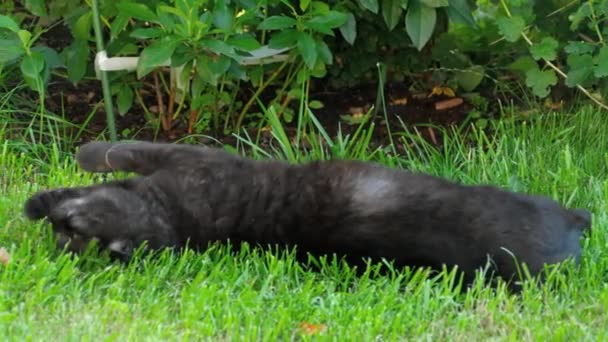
[(217, 48)]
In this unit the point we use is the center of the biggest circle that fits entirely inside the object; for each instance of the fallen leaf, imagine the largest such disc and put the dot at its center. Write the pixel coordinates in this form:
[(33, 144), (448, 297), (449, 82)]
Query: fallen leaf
[(71, 99), (311, 329), (447, 91), (353, 119), (419, 96), (399, 102), (447, 104), (554, 105), (358, 110), (4, 256)]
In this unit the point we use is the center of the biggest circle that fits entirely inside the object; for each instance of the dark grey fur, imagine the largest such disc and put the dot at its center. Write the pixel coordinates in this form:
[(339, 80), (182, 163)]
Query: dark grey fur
[(350, 208)]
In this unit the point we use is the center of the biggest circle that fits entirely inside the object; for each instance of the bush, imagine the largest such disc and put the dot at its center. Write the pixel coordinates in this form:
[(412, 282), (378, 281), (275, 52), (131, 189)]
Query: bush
[(212, 39), (213, 48)]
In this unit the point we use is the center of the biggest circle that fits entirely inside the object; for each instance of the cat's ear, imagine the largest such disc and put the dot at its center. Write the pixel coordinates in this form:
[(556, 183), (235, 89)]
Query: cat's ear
[(140, 157)]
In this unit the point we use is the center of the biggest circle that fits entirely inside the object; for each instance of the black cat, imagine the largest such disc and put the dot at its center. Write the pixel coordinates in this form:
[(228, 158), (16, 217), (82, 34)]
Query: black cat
[(357, 210)]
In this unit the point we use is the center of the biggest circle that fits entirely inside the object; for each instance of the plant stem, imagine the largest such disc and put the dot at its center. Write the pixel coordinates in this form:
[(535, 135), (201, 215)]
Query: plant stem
[(105, 83), (257, 93), (166, 120)]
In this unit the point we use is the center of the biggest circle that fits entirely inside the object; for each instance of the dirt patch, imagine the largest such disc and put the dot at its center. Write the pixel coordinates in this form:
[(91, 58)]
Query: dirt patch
[(83, 106), (342, 108)]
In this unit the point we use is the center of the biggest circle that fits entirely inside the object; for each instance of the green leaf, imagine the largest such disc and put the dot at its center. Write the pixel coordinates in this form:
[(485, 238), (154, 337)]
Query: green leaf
[(435, 3), (603, 86), (51, 57), (307, 48), (319, 70), (370, 5), (579, 48), (244, 42), (391, 12), (349, 29), (82, 28), (25, 37), (31, 69), (511, 28), (601, 69), (420, 23), (154, 55), (8, 23), (583, 12), (331, 20), (304, 4), (581, 68), (315, 104), (540, 81), (460, 12), (222, 17), (198, 84), (203, 101), (146, 33), (404, 4), (219, 65), (137, 11), (277, 22), (295, 93), (77, 56), (324, 52), (546, 49), (186, 73), (182, 55), (36, 7), (523, 64), (319, 8), (32, 66), (10, 50), (237, 71), (219, 47), (124, 99), (118, 25), (284, 39), (469, 79), (167, 20), (204, 72)]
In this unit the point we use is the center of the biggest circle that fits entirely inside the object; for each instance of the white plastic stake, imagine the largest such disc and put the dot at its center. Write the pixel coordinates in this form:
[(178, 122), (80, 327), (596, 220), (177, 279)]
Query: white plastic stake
[(263, 55)]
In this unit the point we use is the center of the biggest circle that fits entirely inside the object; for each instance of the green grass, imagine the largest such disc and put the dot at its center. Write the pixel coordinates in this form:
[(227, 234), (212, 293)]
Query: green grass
[(260, 295)]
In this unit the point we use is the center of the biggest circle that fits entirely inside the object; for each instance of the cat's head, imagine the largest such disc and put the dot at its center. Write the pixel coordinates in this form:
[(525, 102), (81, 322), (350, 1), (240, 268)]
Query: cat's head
[(120, 221), (554, 214), (565, 228)]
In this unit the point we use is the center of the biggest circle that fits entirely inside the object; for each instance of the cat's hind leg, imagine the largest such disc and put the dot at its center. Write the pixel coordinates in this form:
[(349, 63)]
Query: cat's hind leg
[(143, 158)]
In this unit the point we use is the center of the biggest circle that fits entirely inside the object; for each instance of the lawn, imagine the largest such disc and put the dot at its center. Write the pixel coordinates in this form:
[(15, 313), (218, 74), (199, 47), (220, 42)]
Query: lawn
[(265, 295)]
